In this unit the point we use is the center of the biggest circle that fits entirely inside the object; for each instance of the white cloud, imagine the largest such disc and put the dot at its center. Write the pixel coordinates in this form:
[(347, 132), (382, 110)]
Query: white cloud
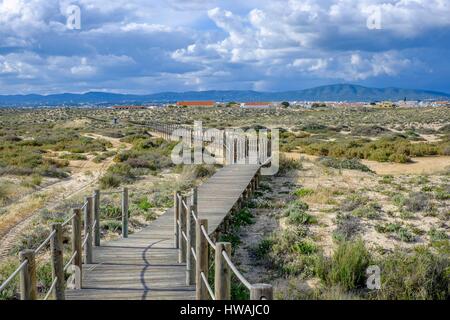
[(193, 44)]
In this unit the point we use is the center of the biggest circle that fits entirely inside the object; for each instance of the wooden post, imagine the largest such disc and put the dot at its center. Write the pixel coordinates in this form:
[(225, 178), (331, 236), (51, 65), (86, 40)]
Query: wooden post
[(76, 242), (190, 261), (191, 264), (176, 217), (183, 216), (202, 252), (234, 157), (88, 230), (28, 288), (57, 250), (222, 277), (194, 198), (258, 178), (97, 218), (224, 146), (125, 212), (261, 291)]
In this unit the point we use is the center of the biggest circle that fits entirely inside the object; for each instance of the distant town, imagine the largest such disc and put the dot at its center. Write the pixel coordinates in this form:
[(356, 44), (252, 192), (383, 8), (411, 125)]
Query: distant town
[(312, 105)]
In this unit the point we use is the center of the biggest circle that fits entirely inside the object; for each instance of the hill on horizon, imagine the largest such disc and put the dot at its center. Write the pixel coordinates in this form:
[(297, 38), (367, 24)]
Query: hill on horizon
[(337, 92)]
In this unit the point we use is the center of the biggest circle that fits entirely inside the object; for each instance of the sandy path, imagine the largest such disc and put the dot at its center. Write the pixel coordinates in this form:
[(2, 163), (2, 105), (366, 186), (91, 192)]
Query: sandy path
[(22, 212)]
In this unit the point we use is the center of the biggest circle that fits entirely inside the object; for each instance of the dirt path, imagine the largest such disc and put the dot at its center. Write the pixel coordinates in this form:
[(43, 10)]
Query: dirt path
[(21, 213)]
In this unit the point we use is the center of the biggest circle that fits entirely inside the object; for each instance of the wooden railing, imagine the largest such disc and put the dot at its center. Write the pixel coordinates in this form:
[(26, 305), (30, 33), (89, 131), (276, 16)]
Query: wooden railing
[(82, 243), (193, 241)]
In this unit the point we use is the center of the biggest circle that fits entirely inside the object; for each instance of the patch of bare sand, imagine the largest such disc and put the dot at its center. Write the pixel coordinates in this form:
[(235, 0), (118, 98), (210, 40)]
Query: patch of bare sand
[(422, 165), (419, 166)]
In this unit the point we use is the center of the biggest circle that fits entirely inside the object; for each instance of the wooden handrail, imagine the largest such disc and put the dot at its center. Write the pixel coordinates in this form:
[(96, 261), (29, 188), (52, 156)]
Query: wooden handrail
[(200, 255), (27, 267)]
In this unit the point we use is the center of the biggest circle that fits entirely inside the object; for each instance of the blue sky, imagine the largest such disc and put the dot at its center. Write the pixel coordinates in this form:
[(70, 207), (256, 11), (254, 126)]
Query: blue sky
[(146, 46)]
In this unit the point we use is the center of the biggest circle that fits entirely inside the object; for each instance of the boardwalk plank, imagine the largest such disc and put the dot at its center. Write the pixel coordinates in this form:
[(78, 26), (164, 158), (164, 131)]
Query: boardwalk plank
[(145, 265)]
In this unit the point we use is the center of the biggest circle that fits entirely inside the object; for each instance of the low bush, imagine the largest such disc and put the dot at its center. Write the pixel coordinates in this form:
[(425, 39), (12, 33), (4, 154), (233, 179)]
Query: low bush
[(350, 164), (417, 201), (73, 156), (347, 267), (31, 239), (353, 202), (385, 149), (242, 218), (371, 131), (11, 292), (295, 213), (110, 212), (110, 181), (347, 227), (303, 192), (437, 235), (287, 164), (301, 217), (397, 230), (371, 210), (420, 275)]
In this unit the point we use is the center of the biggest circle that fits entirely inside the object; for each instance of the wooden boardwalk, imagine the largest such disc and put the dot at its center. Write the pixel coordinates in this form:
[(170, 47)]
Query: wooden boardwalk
[(145, 265)]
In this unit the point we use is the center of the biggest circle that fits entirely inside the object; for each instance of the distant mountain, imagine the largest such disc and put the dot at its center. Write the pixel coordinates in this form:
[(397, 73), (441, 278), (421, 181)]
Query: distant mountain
[(337, 92)]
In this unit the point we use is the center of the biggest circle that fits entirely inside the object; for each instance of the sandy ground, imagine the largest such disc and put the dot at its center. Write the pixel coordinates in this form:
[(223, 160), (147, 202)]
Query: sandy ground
[(330, 187), (84, 174), (422, 165)]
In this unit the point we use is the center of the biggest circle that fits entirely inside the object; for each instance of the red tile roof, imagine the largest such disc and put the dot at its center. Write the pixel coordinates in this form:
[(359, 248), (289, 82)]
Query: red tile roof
[(196, 103)]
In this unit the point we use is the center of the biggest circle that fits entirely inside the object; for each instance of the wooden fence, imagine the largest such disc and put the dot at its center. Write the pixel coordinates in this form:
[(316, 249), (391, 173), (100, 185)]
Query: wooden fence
[(85, 227), (194, 243)]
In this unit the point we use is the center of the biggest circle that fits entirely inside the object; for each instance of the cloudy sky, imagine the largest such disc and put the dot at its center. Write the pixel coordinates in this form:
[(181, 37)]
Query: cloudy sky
[(145, 46)]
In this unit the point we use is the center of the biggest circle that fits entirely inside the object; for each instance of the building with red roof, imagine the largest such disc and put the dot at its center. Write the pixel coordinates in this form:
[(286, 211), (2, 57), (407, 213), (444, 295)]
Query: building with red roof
[(196, 103)]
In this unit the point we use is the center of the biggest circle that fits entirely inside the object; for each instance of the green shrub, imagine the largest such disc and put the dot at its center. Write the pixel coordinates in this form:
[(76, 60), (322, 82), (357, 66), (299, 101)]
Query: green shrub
[(442, 194), (303, 192), (437, 235), (111, 225), (109, 211), (417, 201), (288, 164), (73, 156), (399, 200), (31, 239), (353, 202), (11, 292), (295, 206), (242, 218), (305, 247), (295, 213), (347, 267), (349, 164), (301, 217), (387, 179), (347, 226), (397, 230), (110, 181), (421, 275), (370, 211), (263, 248)]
